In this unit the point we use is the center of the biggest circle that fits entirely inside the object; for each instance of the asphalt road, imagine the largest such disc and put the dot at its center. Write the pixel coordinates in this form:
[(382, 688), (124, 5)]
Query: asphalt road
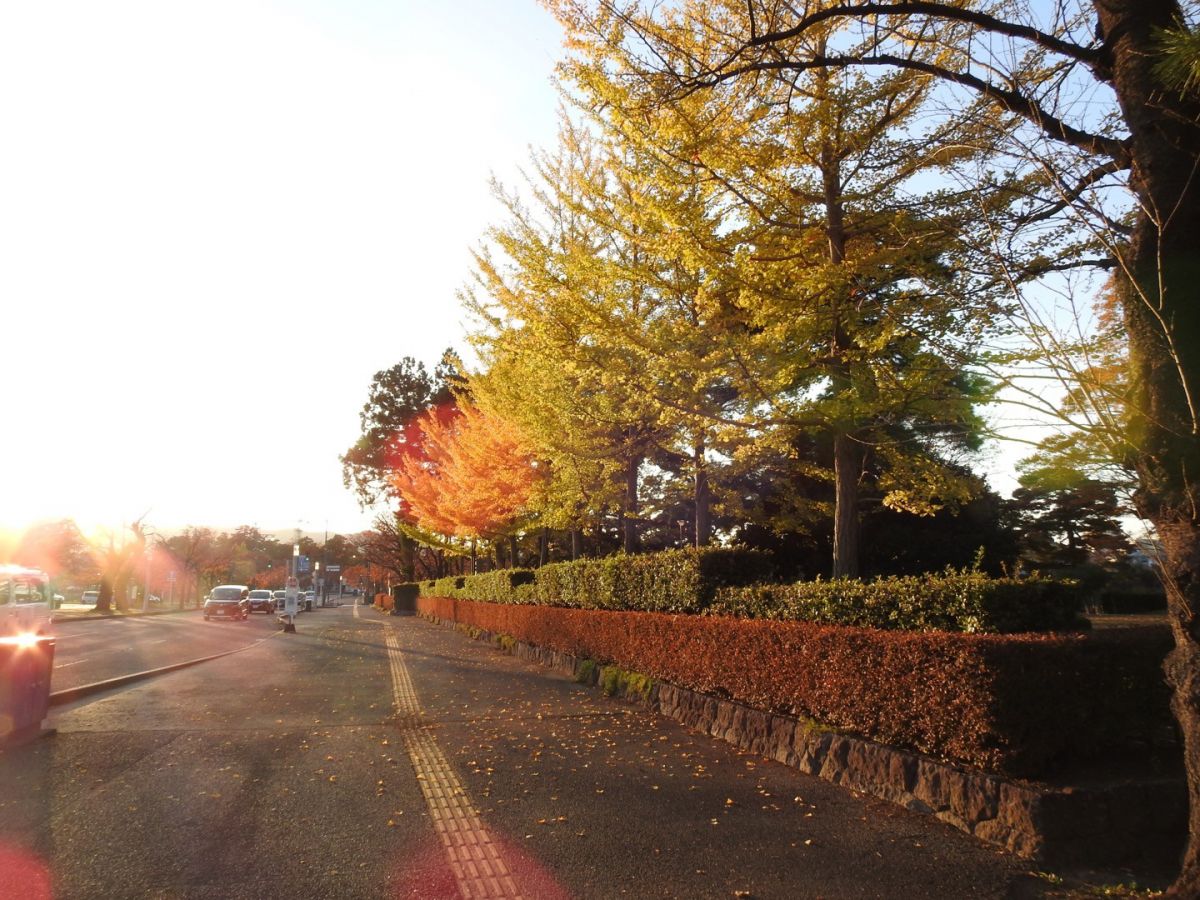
[(92, 650), (379, 757)]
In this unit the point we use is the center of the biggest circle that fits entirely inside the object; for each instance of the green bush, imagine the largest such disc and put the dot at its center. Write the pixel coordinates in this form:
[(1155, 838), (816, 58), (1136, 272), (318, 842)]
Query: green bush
[(729, 582), (442, 587), (670, 581), (683, 581), (498, 586), (965, 601)]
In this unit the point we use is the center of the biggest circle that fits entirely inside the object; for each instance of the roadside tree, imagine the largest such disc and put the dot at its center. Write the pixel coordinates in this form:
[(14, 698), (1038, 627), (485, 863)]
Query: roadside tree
[(1087, 119)]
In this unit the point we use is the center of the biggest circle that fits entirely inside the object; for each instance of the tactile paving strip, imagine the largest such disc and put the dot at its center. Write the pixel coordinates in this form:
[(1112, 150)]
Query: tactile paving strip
[(479, 869)]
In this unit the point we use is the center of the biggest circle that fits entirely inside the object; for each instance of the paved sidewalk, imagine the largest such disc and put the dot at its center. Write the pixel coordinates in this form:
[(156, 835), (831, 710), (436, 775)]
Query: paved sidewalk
[(608, 800), (385, 757)]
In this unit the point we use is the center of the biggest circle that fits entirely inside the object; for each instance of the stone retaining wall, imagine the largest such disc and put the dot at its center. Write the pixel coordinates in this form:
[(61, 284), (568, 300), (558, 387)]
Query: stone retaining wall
[(1097, 825)]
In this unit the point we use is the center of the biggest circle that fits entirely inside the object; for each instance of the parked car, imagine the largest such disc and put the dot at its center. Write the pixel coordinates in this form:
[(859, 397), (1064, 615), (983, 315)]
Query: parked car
[(90, 597), (228, 601), (280, 597), (262, 601)]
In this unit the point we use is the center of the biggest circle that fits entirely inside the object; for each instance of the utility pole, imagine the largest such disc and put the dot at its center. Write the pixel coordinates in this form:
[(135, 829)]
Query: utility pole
[(324, 566)]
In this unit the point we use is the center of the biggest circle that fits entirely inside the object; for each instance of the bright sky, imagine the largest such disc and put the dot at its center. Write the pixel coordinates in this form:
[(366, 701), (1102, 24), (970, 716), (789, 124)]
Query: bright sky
[(218, 220)]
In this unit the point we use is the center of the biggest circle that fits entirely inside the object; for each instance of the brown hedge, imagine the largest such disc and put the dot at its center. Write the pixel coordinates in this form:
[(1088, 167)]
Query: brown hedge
[(1018, 704)]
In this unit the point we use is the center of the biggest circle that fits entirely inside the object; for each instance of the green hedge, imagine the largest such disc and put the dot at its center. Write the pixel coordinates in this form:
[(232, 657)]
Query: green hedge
[(670, 581), (965, 601), (682, 581), (731, 583)]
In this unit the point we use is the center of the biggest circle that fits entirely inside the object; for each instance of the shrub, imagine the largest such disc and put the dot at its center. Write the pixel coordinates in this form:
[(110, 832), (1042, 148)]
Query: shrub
[(498, 586), (1022, 704), (670, 581), (445, 587), (586, 671), (965, 601)]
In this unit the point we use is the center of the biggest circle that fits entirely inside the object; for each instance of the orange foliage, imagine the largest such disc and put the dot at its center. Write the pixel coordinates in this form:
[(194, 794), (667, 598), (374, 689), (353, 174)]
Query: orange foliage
[(473, 477)]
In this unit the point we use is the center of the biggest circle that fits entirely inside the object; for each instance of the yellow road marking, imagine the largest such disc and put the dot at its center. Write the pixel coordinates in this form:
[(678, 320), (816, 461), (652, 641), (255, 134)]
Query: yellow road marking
[(478, 867)]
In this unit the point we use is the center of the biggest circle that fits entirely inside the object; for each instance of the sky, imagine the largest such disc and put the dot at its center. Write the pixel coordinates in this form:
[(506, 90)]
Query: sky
[(218, 220)]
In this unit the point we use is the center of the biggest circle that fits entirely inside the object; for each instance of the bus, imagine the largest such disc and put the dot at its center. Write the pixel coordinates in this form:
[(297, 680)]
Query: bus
[(25, 601)]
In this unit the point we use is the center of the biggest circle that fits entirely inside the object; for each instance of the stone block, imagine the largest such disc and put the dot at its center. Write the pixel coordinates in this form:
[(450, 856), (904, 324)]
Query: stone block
[(973, 797), (1018, 807), (930, 785)]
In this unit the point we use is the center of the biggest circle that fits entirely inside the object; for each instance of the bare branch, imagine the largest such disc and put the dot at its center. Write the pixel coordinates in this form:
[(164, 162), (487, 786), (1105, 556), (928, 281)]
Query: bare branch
[(1092, 56)]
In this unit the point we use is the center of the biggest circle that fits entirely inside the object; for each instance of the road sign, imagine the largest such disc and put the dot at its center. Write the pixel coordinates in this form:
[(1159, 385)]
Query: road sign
[(333, 569)]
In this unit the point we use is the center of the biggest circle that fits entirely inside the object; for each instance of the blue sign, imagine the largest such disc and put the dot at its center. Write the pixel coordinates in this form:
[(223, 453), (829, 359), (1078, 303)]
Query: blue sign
[(302, 565)]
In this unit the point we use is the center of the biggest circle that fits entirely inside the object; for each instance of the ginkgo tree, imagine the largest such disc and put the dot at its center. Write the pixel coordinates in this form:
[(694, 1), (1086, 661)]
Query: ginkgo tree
[(783, 279), (547, 294)]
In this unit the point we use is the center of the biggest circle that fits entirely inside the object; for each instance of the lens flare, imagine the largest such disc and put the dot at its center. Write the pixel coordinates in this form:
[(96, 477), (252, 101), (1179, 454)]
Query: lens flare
[(24, 640), (23, 876)]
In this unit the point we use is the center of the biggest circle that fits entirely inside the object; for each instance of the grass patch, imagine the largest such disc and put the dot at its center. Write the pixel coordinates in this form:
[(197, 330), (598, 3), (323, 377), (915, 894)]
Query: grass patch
[(586, 673), (615, 681)]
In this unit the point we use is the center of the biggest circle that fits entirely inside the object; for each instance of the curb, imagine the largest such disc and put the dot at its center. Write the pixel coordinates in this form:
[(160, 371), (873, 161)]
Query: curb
[(69, 695)]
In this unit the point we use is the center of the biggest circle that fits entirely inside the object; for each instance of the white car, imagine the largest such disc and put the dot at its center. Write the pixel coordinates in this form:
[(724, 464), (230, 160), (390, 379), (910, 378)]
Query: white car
[(91, 598)]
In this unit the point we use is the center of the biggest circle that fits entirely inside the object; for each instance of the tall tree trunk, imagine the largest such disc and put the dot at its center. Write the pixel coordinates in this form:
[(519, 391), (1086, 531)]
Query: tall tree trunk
[(513, 556), (847, 453), (121, 592), (104, 601), (847, 466), (408, 565), (630, 507), (1162, 314), (702, 497), (544, 547), (576, 544)]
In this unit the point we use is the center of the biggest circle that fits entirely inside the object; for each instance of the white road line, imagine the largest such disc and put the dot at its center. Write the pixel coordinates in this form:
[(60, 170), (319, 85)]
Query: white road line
[(160, 641), (475, 860), (73, 662)]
